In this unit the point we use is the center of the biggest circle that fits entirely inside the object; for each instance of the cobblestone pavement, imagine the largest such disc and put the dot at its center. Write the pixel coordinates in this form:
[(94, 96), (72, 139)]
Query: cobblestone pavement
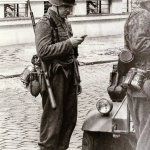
[(20, 112)]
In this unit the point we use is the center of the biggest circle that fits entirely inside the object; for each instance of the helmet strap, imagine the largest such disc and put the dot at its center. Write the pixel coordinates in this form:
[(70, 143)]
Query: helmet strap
[(58, 12)]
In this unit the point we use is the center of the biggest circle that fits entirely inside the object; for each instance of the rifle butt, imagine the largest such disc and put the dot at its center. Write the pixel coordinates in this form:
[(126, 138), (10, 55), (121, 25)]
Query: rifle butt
[(50, 92), (51, 98)]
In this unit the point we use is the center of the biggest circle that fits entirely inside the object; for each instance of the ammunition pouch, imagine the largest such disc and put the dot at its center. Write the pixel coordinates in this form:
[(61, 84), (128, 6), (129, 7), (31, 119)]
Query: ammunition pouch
[(115, 90), (135, 78)]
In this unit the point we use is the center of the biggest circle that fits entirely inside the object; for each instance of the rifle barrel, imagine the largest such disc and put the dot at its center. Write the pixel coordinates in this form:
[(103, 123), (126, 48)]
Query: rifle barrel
[(50, 92)]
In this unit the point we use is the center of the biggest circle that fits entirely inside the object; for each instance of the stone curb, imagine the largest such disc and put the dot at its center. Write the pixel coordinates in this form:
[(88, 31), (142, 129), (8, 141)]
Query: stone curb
[(80, 64)]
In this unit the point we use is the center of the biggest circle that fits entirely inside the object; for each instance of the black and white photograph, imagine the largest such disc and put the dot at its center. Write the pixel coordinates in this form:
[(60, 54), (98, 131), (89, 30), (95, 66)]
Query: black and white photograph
[(74, 74)]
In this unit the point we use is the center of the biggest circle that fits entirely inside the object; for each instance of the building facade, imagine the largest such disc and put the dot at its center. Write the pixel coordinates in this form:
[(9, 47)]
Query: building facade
[(92, 17)]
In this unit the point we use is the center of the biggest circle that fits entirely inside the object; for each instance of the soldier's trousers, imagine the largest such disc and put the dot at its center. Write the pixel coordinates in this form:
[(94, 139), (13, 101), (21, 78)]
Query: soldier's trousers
[(57, 125), (140, 112)]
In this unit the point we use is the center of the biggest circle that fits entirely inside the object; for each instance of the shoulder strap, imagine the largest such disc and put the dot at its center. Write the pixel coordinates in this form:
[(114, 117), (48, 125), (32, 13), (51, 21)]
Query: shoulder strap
[(54, 26)]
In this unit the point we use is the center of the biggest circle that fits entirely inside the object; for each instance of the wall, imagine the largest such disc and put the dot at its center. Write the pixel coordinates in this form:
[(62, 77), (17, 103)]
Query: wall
[(37, 8), (114, 6), (22, 32), (20, 29), (16, 32), (95, 26), (80, 8)]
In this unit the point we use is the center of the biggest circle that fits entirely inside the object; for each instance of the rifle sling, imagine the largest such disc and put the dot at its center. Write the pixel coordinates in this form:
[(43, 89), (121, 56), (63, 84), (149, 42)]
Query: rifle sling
[(54, 26)]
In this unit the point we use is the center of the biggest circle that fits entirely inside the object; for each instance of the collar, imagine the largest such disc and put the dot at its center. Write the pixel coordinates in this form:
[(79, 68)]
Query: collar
[(59, 21), (56, 17)]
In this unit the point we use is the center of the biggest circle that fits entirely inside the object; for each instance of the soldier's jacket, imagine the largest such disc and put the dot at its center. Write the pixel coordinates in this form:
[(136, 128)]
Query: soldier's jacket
[(55, 48), (46, 38), (137, 40), (137, 37)]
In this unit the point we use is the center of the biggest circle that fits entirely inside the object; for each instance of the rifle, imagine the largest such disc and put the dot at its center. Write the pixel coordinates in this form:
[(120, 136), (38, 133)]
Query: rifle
[(43, 66)]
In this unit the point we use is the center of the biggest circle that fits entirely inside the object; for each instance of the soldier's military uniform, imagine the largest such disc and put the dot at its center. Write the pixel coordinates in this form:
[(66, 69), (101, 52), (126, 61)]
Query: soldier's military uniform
[(56, 50), (137, 40)]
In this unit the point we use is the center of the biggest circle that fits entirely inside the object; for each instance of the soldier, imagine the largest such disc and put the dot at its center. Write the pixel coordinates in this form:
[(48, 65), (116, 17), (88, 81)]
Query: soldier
[(137, 40), (57, 47)]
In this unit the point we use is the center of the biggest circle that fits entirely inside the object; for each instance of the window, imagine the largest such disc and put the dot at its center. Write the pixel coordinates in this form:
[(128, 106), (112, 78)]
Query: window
[(126, 6), (46, 6), (108, 6), (98, 6), (15, 10)]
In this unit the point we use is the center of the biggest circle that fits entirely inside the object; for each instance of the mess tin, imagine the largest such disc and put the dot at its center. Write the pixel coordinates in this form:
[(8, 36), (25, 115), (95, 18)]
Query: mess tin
[(125, 61)]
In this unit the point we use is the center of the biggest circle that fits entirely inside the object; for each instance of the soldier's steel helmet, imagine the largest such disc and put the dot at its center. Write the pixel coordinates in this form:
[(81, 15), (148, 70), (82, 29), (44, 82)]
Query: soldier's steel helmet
[(62, 2)]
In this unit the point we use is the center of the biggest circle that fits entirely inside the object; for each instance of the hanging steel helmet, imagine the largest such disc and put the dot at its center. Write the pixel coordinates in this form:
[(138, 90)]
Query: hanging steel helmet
[(62, 2)]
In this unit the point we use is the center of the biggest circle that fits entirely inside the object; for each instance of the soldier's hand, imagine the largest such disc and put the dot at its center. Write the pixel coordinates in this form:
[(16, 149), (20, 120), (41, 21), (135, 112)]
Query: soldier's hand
[(75, 41)]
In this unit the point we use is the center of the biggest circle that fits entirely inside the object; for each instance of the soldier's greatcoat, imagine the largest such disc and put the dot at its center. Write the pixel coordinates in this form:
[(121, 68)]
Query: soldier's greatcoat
[(137, 40), (56, 50)]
